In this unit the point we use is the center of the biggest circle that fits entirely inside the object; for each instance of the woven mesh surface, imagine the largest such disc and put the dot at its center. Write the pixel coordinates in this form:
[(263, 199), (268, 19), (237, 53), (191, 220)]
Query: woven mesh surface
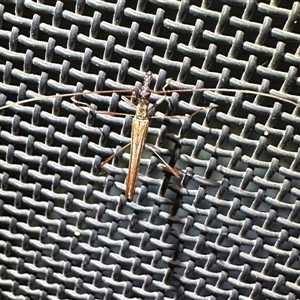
[(228, 229)]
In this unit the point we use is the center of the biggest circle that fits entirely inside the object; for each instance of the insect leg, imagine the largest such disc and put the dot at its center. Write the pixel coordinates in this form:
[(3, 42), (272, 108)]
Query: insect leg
[(113, 155), (172, 170)]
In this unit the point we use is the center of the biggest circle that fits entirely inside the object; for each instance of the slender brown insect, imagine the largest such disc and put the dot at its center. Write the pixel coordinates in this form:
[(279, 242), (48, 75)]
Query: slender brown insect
[(139, 129), (140, 123)]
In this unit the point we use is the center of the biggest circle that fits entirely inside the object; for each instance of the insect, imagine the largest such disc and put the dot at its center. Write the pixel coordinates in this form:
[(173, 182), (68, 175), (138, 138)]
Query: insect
[(140, 124), (139, 129)]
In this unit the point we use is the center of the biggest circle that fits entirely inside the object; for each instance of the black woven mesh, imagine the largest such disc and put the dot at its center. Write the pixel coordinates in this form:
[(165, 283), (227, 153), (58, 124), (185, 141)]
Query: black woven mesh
[(228, 230)]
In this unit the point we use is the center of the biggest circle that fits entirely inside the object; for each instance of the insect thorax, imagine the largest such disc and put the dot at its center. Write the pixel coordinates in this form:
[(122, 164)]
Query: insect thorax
[(142, 109)]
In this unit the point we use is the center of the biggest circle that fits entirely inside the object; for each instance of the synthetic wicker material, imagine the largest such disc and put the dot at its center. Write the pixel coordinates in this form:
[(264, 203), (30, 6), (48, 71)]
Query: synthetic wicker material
[(228, 230)]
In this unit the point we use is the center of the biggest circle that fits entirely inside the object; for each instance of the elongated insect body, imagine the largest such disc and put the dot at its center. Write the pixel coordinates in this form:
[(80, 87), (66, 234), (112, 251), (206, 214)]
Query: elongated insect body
[(139, 129)]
